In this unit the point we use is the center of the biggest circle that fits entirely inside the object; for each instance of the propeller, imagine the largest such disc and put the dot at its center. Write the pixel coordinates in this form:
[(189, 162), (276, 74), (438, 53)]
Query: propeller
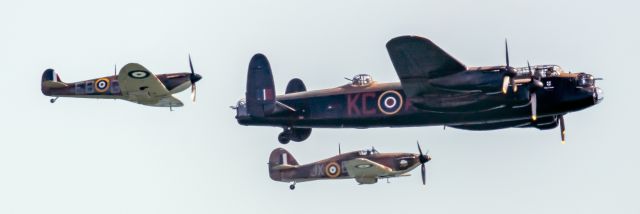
[(423, 159), (562, 130), (510, 72), (536, 83), (193, 78)]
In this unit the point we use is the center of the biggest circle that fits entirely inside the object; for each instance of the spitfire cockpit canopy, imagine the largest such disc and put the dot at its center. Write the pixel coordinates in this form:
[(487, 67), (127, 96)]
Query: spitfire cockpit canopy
[(361, 80), (543, 70)]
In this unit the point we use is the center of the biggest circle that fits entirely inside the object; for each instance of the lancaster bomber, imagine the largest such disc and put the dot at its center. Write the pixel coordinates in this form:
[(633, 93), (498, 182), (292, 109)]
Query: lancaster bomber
[(435, 89), (134, 83), (365, 166)]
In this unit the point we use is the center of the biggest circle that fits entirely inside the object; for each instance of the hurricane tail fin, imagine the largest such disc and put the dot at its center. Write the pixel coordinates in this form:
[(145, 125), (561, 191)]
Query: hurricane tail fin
[(280, 160)]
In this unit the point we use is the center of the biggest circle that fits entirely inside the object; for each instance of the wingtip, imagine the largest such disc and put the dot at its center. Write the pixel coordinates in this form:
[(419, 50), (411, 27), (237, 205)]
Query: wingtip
[(259, 60), (406, 39)]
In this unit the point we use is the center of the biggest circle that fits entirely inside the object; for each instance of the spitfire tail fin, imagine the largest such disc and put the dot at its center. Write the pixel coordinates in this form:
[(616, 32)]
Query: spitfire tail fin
[(279, 160), (50, 79), (260, 94), (295, 85), (50, 75)]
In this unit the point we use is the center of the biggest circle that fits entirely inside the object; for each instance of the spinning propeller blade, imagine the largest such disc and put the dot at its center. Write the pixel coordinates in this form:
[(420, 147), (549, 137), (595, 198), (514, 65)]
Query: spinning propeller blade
[(193, 79), (534, 85), (424, 174), (533, 96), (193, 92), (562, 130), (534, 106), (509, 77), (423, 159), (506, 51)]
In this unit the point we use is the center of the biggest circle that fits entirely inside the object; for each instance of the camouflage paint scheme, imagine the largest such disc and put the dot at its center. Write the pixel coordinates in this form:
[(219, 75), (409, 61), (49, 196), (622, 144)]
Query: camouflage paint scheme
[(109, 87), (366, 166), (441, 91)]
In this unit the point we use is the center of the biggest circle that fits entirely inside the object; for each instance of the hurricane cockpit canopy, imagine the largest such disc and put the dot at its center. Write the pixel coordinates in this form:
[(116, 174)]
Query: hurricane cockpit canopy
[(542, 70), (361, 80), (371, 151), (366, 152)]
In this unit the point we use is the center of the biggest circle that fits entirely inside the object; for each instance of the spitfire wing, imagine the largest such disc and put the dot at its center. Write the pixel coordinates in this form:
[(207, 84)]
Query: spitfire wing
[(136, 79), (141, 86), (166, 101), (361, 167), (417, 60)]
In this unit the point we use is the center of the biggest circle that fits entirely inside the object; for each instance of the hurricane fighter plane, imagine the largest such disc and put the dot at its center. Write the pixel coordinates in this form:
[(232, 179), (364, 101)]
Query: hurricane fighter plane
[(134, 83), (365, 166), (434, 89)]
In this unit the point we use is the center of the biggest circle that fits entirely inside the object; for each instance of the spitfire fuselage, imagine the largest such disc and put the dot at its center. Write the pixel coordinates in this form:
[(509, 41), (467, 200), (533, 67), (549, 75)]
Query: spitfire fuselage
[(109, 87)]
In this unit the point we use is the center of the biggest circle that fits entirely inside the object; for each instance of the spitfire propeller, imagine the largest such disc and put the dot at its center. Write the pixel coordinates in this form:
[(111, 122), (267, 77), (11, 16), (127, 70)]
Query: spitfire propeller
[(194, 78), (423, 159)]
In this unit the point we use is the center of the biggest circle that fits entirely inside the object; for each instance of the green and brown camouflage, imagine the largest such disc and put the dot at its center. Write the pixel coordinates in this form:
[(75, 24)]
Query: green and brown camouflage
[(133, 83), (365, 166)]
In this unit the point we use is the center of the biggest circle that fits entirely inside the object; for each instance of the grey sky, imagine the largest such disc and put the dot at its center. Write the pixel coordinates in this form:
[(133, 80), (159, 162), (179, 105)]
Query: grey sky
[(105, 156)]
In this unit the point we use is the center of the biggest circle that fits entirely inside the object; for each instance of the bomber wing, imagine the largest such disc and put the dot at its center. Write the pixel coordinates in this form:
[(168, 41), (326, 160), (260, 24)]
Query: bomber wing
[(417, 60), (361, 167), (141, 86)]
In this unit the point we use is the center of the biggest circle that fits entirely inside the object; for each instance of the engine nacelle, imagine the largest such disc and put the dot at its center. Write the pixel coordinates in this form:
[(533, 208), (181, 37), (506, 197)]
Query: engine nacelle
[(471, 101), (486, 81)]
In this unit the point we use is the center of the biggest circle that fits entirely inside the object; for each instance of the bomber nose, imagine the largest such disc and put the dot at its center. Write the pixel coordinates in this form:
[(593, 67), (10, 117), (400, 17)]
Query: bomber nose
[(598, 94)]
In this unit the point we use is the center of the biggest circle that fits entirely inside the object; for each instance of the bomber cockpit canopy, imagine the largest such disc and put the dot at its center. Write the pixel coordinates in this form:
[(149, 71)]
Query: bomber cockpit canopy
[(543, 70), (361, 80)]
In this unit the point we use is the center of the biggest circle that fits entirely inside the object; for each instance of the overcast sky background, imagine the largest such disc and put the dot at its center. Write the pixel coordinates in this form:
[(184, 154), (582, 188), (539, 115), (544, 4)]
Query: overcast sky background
[(105, 156)]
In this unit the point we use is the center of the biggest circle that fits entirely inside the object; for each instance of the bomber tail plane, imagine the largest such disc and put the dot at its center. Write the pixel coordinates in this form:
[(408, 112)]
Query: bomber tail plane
[(260, 99), (295, 85)]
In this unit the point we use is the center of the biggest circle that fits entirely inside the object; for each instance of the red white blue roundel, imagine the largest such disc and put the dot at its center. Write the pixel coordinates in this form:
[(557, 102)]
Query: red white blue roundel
[(332, 170), (139, 74), (390, 102), (102, 85)]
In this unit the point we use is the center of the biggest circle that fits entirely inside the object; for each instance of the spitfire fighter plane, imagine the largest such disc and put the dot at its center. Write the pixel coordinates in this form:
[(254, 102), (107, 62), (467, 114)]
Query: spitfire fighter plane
[(134, 83), (365, 166), (434, 89)]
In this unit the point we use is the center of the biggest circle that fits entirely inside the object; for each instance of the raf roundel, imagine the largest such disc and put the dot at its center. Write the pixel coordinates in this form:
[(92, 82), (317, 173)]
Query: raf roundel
[(138, 74), (390, 102), (332, 170), (102, 85)]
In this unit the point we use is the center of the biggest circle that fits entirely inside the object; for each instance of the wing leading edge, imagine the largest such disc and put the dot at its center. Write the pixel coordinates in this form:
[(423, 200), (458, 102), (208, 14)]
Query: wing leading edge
[(365, 168)]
